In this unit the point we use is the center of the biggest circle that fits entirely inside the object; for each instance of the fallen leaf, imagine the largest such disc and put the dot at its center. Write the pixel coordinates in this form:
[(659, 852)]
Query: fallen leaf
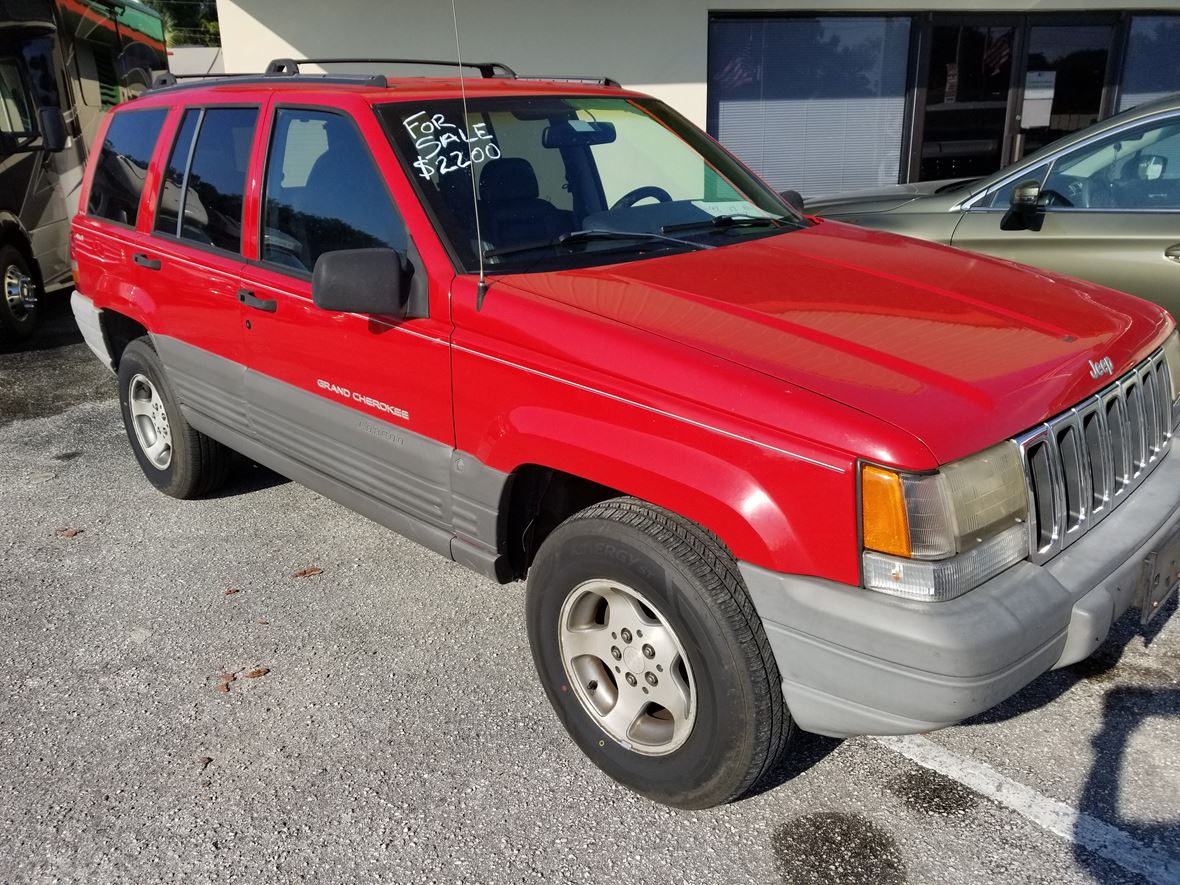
[(69, 533), (223, 687), (261, 621), (257, 672), (231, 591), (205, 762), (308, 572)]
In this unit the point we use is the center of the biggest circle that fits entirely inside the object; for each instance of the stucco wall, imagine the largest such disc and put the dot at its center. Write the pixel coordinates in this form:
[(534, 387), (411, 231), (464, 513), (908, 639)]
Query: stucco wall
[(657, 46)]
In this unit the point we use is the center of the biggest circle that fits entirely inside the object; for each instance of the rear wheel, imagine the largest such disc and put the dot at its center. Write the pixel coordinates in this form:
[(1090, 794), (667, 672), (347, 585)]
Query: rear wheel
[(178, 460), (19, 297), (652, 655)]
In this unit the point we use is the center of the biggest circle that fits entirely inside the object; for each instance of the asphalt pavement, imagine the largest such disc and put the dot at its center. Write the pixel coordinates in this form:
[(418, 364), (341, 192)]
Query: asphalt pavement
[(265, 687)]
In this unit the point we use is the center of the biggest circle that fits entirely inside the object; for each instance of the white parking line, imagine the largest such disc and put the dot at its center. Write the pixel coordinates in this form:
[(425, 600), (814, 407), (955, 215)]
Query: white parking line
[(1058, 818)]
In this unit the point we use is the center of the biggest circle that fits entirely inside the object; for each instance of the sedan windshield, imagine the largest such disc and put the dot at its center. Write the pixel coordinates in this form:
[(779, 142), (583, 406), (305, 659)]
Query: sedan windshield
[(548, 182)]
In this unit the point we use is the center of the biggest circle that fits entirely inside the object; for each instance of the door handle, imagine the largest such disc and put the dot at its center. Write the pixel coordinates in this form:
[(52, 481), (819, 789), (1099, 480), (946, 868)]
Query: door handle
[(249, 299), (145, 261), (1173, 252)]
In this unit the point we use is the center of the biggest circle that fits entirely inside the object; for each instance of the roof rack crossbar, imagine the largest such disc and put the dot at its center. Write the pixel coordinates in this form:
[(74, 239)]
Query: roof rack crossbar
[(487, 69)]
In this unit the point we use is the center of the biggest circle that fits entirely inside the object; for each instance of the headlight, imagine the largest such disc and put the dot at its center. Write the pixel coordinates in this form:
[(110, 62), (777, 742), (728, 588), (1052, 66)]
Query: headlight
[(935, 536)]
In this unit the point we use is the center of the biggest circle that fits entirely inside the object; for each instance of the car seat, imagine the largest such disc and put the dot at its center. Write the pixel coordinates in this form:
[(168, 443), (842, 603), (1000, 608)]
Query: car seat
[(511, 210)]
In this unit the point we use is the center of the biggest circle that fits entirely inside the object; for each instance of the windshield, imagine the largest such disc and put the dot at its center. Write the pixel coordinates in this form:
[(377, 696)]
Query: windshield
[(573, 181)]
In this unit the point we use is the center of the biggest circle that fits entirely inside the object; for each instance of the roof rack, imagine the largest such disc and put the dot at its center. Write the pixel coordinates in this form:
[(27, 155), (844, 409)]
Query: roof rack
[(169, 80), (592, 81), (488, 69), (289, 67)]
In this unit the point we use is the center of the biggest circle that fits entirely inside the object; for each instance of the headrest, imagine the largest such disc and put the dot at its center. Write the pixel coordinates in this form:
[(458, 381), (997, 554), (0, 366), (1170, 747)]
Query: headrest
[(509, 178)]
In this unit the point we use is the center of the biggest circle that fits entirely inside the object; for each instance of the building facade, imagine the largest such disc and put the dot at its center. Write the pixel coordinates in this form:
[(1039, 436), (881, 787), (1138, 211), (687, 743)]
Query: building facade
[(823, 96)]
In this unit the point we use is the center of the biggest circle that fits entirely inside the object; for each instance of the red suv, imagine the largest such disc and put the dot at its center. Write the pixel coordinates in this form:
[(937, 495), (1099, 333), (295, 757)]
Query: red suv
[(760, 470)]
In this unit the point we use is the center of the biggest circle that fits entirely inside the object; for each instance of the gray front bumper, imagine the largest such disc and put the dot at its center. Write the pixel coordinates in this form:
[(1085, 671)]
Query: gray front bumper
[(855, 661)]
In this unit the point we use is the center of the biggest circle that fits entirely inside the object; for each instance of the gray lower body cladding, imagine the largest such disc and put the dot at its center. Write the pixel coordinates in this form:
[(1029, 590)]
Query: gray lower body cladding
[(444, 499), (854, 661)]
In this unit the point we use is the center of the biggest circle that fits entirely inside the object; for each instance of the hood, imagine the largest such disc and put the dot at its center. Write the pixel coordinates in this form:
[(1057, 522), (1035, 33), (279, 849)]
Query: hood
[(958, 349), (884, 199)]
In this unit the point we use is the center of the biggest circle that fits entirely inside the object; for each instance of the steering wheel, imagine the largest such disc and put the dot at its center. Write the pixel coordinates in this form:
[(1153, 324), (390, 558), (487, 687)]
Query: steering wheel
[(629, 199)]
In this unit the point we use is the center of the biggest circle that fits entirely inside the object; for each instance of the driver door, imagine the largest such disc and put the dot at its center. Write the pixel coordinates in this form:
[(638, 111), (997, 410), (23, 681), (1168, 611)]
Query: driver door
[(1122, 225)]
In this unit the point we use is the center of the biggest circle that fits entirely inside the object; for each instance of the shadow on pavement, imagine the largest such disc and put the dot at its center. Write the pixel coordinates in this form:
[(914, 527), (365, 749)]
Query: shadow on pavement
[(805, 750), (1124, 709), (246, 477), (53, 371)]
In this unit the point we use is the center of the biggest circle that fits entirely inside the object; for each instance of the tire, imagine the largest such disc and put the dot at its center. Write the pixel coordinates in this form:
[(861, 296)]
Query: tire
[(625, 563), (17, 322), (176, 459)]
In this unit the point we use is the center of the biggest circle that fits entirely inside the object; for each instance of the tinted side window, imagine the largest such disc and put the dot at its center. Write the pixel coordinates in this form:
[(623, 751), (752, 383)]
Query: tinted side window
[(122, 164), (15, 115), (323, 192), (215, 187), (172, 188)]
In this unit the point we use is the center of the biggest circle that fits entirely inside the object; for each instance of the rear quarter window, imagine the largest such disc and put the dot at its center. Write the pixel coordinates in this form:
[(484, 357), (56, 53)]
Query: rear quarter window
[(121, 166)]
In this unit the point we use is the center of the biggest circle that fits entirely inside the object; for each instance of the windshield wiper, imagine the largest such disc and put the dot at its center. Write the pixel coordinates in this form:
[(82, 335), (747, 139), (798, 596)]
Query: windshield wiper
[(587, 236), (728, 221)]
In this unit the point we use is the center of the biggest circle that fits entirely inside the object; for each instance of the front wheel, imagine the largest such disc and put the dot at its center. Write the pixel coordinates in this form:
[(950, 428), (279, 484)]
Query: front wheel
[(652, 655)]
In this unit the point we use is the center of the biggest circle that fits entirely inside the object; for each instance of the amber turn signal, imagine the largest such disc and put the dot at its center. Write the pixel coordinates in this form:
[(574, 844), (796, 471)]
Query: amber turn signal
[(885, 524)]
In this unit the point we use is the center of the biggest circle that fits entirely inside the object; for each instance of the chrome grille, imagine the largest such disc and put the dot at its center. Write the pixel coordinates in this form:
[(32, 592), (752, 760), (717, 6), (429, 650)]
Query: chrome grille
[(1083, 463)]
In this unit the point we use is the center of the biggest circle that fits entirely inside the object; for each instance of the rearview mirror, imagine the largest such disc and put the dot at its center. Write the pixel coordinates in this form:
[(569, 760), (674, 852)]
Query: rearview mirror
[(577, 133), (361, 281), (53, 130)]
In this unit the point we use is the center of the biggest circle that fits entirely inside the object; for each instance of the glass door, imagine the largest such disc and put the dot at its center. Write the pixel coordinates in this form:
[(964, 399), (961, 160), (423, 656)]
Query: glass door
[(991, 89), (1064, 77), (965, 113)]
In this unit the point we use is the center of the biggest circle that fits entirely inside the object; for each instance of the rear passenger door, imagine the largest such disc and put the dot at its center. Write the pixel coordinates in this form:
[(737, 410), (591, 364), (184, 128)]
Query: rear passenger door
[(361, 401), (111, 233), (192, 265)]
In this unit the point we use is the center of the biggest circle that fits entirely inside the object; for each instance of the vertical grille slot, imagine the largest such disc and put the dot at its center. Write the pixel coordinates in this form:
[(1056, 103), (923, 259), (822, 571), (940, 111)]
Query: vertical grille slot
[(1116, 422), (1151, 416), (1163, 395), (1096, 440), (1082, 463), (1137, 442), (1041, 476), (1073, 472)]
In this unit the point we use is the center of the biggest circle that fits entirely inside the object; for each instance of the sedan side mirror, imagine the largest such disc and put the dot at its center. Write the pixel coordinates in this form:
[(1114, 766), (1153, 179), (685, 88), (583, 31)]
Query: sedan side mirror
[(362, 281), (1025, 211), (53, 130), (1026, 196)]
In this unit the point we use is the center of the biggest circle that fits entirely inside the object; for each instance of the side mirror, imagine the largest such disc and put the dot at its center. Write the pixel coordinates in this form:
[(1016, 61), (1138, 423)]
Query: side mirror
[(361, 281), (794, 199), (1025, 211), (53, 130), (1026, 196)]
